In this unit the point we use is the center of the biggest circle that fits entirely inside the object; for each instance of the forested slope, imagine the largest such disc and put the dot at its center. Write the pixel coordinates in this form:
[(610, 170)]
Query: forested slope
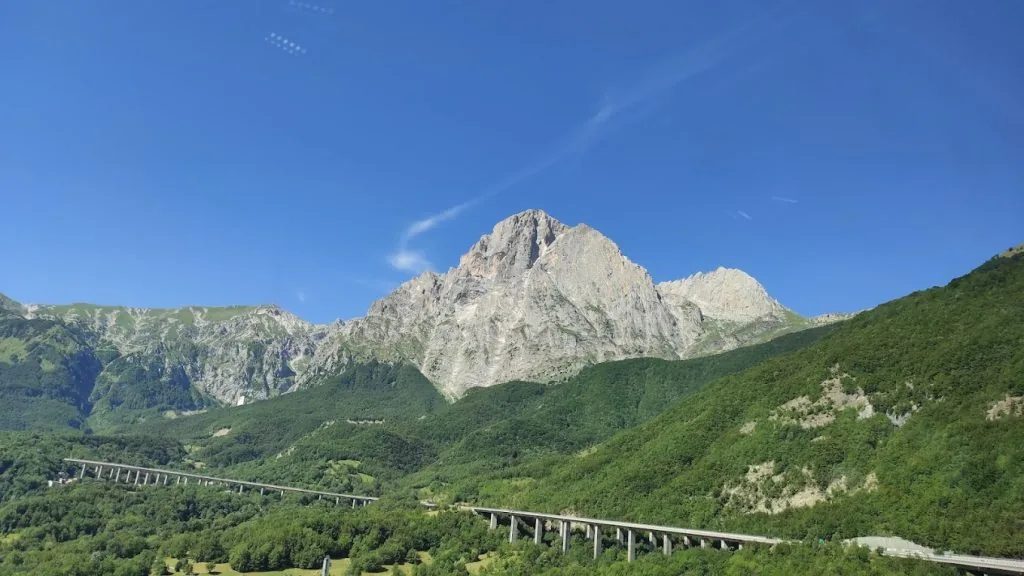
[(905, 420)]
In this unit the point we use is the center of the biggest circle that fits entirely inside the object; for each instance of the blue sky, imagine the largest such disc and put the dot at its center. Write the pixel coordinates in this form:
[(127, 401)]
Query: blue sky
[(158, 153)]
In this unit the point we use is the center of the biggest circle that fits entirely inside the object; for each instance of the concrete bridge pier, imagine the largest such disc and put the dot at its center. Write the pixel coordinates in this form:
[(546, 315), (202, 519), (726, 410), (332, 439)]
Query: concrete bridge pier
[(538, 530), (687, 542), (353, 502), (666, 545), (494, 521), (82, 473), (630, 545), (110, 475), (240, 486), (99, 472), (513, 531), (137, 472), (618, 535), (165, 479), (597, 542), (564, 530), (117, 478), (146, 479), (703, 543)]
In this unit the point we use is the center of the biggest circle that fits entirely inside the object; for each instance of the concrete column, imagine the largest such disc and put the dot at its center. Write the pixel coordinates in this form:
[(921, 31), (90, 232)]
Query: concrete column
[(82, 473), (166, 478), (538, 530), (177, 481), (666, 545), (494, 521), (261, 491), (240, 486), (146, 479), (513, 530), (597, 542), (319, 496), (353, 502), (618, 535), (587, 528), (565, 536), (687, 542), (186, 480), (137, 477), (337, 501), (99, 472), (282, 495), (739, 545), (723, 545), (118, 477), (630, 545), (110, 474), (703, 543)]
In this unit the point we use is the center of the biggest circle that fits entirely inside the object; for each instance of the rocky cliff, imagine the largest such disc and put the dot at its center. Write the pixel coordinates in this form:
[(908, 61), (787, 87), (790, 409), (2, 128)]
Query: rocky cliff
[(536, 299), (533, 299)]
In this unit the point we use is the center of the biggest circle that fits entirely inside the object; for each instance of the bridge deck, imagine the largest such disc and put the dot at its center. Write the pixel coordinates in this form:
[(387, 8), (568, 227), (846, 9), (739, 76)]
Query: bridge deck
[(983, 564), (227, 481), (637, 527)]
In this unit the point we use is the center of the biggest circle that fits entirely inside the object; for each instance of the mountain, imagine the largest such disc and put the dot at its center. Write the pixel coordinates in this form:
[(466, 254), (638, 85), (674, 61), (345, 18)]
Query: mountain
[(303, 437), (227, 354), (537, 299), (534, 299), (905, 420)]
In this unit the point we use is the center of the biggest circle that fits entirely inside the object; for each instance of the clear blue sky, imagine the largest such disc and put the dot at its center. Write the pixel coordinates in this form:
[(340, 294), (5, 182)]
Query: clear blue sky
[(163, 153)]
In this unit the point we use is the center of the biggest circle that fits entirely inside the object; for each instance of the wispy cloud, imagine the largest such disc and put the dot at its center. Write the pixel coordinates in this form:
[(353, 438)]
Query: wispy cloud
[(784, 199), (420, 226), (613, 113), (744, 215), (409, 261), (301, 295)]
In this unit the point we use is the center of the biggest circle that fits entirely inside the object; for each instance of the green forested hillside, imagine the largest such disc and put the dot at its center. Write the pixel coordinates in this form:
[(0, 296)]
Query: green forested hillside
[(47, 371), (55, 376), (98, 528), (937, 458), (363, 394), (377, 423)]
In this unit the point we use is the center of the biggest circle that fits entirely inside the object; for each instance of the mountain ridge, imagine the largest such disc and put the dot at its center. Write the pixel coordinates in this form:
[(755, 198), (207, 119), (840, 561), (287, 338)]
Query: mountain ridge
[(532, 299)]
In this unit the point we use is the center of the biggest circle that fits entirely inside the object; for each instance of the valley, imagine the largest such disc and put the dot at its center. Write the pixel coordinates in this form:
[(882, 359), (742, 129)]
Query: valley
[(899, 421)]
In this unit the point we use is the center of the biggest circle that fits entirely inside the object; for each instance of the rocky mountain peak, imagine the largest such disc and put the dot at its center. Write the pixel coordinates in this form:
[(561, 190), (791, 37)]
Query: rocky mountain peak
[(725, 294), (513, 246)]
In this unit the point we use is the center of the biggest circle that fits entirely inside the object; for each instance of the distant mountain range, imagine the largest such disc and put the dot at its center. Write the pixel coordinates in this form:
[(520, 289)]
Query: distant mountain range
[(533, 300)]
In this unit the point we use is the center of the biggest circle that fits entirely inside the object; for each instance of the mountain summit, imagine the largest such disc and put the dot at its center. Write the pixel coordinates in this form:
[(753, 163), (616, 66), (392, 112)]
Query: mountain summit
[(537, 299), (533, 299)]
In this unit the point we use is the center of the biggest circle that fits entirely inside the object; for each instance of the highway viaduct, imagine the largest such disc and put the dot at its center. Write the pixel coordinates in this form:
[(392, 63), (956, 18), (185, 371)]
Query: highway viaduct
[(634, 536)]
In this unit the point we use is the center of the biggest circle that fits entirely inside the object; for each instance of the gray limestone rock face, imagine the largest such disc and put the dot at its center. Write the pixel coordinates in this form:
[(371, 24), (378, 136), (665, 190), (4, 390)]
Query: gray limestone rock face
[(533, 299), (537, 299)]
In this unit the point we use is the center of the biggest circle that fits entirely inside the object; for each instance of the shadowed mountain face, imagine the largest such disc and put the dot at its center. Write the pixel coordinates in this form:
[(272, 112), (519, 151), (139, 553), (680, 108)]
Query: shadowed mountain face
[(534, 299)]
